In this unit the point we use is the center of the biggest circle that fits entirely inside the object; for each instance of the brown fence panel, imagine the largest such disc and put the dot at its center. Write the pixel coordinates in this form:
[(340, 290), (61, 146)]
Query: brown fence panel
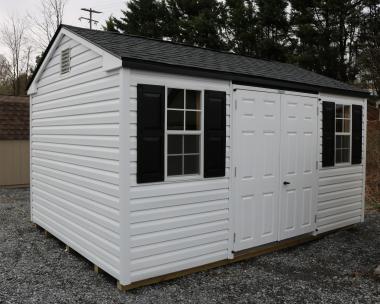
[(14, 162)]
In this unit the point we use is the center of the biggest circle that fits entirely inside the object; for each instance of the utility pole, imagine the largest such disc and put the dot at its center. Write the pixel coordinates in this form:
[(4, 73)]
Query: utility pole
[(90, 20)]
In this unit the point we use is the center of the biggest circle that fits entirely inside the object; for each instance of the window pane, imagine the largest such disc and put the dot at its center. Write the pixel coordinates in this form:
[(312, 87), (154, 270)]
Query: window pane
[(174, 165), (175, 120), (338, 156), (338, 143), (191, 164), (175, 144), (175, 98), (193, 120), (345, 142), (193, 99), (339, 111), (339, 125), (346, 125), (347, 111), (345, 155), (191, 143)]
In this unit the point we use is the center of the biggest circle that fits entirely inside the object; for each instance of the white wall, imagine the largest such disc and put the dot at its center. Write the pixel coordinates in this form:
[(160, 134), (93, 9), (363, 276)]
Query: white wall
[(181, 224), (75, 155), (340, 188), (84, 188)]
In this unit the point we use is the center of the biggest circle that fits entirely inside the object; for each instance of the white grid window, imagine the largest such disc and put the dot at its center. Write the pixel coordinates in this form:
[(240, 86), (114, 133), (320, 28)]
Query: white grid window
[(342, 134), (183, 131)]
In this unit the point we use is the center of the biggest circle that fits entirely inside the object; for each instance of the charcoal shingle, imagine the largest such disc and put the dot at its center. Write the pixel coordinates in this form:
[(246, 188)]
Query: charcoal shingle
[(154, 51)]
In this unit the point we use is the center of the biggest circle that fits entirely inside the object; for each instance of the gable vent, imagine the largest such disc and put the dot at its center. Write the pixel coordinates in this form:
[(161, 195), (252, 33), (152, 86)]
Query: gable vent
[(65, 61)]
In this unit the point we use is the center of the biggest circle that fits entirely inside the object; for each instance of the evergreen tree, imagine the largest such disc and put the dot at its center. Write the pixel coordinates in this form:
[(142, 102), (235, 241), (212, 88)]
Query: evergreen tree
[(110, 25), (196, 22), (325, 32), (273, 29), (142, 17), (369, 41), (241, 27)]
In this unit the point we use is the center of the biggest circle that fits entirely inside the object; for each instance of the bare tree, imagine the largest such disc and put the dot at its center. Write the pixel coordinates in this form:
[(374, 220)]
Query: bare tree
[(5, 69), (46, 24), (13, 35)]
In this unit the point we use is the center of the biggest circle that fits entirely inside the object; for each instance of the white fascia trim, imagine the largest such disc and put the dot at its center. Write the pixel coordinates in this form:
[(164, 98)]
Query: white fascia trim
[(110, 62), (341, 99)]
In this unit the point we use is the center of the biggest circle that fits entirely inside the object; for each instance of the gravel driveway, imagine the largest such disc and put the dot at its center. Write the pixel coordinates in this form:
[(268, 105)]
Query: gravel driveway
[(335, 269)]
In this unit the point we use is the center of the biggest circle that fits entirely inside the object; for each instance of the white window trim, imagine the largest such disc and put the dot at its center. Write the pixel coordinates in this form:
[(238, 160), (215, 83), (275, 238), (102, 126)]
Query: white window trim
[(343, 164), (185, 177)]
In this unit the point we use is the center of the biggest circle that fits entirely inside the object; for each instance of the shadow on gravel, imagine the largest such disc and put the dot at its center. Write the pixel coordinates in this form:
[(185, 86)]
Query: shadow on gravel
[(336, 269)]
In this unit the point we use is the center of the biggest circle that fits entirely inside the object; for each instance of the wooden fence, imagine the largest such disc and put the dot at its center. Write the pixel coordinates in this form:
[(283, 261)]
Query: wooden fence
[(14, 162)]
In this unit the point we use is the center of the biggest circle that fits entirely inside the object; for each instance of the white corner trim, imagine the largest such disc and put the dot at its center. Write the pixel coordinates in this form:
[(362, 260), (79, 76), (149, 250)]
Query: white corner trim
[(32, 89), (124, 180)]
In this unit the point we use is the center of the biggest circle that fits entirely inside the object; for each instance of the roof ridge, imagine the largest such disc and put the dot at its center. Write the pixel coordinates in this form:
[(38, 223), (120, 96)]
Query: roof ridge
[(176, 43)]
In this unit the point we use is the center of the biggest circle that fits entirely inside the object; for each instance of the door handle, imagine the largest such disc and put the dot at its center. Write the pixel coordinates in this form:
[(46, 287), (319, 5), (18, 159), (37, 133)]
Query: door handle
[(286, 183)]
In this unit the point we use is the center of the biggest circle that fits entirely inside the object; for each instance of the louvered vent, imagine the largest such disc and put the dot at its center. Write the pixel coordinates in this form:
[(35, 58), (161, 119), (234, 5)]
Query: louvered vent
[(65, 61)]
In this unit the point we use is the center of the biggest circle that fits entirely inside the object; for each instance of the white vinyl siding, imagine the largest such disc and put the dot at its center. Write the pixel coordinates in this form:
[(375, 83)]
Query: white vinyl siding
[(340, 188), (176, 225), (75, 155), (84, 163)]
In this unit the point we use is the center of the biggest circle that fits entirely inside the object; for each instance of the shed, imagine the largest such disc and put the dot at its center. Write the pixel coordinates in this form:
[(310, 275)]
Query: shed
[(14, 140), (151, 157)]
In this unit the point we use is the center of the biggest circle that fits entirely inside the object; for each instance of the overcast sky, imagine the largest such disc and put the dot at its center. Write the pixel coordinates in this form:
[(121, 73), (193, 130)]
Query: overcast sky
[(72, 10)]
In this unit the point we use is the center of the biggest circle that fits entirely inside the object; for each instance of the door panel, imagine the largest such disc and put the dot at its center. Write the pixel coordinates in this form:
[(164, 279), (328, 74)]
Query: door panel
[(257, 140), (298, 165), (275, 141)]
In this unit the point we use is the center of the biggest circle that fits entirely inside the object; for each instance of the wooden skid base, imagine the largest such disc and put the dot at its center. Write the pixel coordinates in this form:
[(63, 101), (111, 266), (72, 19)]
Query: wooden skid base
[(238, 256), (97, 269)]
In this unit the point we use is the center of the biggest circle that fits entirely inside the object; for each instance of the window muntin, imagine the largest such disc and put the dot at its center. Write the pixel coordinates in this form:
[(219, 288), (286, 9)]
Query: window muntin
[(183, 132), (342, 134)]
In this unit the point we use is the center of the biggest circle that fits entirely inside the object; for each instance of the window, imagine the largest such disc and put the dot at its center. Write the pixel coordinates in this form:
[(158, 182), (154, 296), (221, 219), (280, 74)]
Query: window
[(183, 131), (65, 61), (342, 133)]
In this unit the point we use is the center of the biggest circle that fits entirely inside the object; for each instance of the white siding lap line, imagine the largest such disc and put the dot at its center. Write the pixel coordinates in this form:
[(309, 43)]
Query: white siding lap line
[(75, 155), (340, 188), (176, 224)]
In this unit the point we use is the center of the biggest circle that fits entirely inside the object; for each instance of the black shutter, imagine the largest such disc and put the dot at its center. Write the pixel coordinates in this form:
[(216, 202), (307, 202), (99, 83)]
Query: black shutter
[(150, 133), (328, 134), (215, 134), (357, 126)]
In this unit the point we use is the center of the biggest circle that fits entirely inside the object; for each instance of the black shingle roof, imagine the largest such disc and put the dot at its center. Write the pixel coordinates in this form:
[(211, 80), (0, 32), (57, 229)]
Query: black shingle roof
[(133, 49)]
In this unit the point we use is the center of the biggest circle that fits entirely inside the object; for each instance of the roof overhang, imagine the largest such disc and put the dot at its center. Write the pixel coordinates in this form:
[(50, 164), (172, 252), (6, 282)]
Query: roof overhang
[(238, 78), (110, 61)]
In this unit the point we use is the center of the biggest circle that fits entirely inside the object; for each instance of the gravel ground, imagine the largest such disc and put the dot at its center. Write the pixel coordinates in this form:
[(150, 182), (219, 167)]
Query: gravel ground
[(335, 269)]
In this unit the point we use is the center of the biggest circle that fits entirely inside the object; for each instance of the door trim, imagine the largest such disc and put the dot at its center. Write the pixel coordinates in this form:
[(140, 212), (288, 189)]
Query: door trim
[(234, 160)]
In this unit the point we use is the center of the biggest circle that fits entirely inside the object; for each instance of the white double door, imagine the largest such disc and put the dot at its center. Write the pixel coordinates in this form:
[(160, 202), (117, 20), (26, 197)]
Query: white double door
[(275, 183)]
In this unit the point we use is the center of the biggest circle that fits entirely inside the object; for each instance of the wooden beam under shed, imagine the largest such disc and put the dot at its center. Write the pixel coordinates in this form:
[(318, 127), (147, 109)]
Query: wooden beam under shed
[(239, 256)]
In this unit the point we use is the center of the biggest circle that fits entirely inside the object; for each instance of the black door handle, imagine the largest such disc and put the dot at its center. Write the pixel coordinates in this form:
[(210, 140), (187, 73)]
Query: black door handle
[(286, 183)]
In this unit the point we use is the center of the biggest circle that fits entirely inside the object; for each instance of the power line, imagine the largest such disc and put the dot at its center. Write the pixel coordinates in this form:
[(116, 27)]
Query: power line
[(90, 20)]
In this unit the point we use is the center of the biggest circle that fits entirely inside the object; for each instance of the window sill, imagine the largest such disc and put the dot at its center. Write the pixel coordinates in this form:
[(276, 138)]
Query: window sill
[(338, 166), (181, 178)]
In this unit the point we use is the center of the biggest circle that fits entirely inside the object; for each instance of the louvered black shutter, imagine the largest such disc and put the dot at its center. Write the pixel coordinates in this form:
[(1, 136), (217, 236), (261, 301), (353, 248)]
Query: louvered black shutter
[(150, 133), (357, 126), (328, 133), (215, 134)]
